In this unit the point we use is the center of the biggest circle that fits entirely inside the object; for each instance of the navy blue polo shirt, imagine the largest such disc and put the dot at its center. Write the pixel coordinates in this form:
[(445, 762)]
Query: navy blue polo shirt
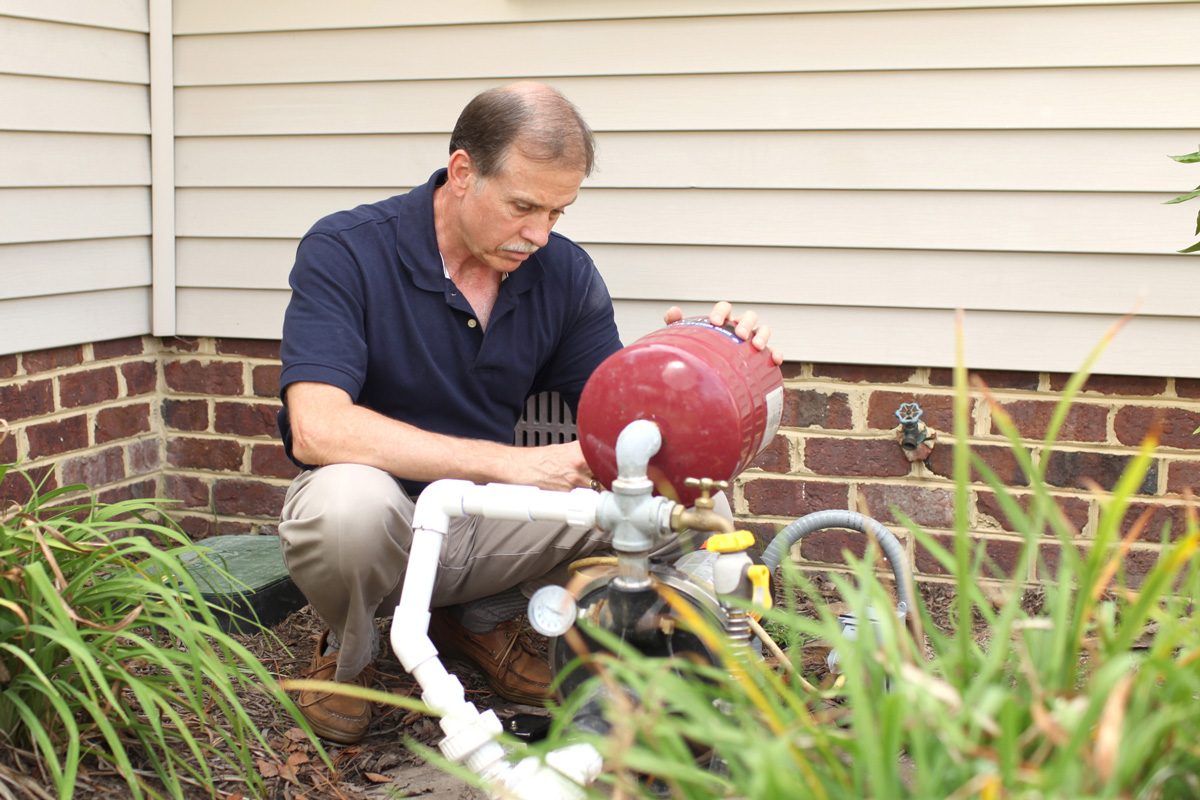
[(372, 312)]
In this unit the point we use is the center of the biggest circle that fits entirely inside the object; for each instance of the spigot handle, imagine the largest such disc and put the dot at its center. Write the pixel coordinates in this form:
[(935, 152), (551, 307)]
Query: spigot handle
[(706, 486)]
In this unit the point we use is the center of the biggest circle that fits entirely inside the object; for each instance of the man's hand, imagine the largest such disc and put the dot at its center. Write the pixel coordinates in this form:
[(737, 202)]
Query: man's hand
[(554, 466), (746, 326)]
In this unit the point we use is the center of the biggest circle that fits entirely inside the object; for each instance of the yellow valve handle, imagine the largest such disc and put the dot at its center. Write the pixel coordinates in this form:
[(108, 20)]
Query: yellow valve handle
[(734, 542), (760, 582)]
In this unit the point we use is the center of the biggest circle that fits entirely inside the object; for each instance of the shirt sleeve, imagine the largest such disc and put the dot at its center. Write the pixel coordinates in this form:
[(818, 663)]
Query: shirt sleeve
[(324, 336), (589, 336)]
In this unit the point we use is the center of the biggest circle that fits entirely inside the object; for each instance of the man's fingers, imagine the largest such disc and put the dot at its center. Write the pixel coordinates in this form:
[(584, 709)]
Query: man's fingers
[(720, 313), (761, 336), (746, 325), (674, 314)]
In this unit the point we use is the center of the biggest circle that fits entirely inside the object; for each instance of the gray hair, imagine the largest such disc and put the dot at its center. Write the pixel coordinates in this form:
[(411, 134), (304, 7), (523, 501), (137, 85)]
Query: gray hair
[(533, 117)]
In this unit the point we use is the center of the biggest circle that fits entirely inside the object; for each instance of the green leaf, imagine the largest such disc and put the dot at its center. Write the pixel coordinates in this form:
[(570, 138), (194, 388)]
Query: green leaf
[(1188, 158), (1191, 249), (1184, 197)]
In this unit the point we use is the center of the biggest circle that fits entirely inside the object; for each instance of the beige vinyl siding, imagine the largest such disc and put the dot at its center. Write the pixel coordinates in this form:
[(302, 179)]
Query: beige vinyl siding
[(74, 172), (855, 170)]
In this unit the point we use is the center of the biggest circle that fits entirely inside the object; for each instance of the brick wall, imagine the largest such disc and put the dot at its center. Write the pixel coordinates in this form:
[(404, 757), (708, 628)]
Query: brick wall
[(223, 459), (836, 449), (194, 421), (83, 414)]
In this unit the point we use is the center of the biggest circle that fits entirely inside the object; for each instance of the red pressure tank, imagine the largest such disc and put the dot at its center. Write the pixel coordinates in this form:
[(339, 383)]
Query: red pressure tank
[(716, 399)]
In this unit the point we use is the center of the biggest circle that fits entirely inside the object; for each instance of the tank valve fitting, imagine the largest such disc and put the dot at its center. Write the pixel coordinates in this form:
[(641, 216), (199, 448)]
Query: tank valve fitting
[(701, 517), (737, 579)]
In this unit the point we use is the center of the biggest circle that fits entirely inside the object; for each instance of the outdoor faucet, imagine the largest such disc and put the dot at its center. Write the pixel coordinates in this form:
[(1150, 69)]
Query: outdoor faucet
[(701, 517)]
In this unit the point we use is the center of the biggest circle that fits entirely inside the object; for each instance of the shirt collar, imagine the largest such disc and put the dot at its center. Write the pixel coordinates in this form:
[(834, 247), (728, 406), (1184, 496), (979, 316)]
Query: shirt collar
[(416, 243)]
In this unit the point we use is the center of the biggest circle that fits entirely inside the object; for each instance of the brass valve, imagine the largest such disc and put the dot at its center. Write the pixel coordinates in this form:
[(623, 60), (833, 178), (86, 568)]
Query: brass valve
[(701, 517)]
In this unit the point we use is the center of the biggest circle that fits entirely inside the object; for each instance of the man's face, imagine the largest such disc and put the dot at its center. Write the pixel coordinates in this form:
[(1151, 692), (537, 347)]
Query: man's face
[(507, 217)]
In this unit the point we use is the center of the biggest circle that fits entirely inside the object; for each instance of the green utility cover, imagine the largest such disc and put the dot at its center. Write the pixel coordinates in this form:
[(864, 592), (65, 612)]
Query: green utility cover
[(263, 590)]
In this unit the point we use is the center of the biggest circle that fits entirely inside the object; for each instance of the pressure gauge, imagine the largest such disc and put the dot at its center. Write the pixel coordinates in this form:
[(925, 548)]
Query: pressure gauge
[(552, 611)]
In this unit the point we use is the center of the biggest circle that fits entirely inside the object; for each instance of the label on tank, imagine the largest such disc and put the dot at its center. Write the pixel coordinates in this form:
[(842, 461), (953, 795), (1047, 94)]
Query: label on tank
[(703, 323), (774, 400)]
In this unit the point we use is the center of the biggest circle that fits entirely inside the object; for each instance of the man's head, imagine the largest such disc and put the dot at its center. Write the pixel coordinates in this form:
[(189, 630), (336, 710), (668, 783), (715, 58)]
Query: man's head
[(517, 158), (532, 118)]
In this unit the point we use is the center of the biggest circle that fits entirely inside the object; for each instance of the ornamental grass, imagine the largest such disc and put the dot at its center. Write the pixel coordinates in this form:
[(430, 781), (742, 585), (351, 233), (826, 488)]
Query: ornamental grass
[(110, 658)]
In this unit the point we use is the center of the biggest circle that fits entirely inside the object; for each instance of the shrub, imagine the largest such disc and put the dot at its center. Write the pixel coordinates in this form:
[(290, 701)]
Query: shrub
[(109, 655)]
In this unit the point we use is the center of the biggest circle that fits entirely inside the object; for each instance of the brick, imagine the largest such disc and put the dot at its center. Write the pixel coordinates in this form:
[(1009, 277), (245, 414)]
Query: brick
[(1171, 519), (8, 446), (43, 360), (999, 459), (994, 378), (1134, 423), (1113, 384), (1084, 423), (251, 348), (775, 497), (185, 415), (248, 498), (197, 528), (854, 373), (196, 377), (141, 490), (1138, 564), (144, 456), (246, 419), (1050, 556), (803, 408), (1183, 476), (937, 409), (116, 348), (141, 377), (95, 469), (88, 388), (16, 487), (1079, 470), (1074, 509), (8, 366), (188, 491), (266, 380), (221, 455), (933, 508), (26, 399), (792, 370), (1184, 387), (60, 436), (1002, 556), (827, 546), (121, 422), (880, 458), (775, 457), (177, 344), (270, 461)]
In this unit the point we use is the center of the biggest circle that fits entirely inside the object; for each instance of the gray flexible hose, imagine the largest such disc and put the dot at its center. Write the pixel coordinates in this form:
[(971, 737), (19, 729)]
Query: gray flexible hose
[(834, 518)]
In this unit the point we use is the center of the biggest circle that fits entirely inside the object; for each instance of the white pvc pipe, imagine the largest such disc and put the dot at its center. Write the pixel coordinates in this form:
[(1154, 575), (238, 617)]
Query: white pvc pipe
[(470, 735)]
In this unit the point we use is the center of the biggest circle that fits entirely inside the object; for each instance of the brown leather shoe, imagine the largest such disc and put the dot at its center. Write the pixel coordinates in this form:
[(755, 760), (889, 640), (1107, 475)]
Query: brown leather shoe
[(506, 657), (335, 717)]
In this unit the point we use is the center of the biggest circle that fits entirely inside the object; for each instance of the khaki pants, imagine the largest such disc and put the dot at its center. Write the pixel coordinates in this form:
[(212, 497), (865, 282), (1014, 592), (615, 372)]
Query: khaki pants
[(346, 530)]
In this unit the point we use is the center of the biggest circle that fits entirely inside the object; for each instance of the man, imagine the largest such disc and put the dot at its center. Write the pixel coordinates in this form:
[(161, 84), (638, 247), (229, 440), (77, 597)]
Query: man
[(417, 328)]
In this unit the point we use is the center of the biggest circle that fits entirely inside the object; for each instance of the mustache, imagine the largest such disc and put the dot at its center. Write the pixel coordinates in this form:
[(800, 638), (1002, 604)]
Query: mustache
[(520, 247)]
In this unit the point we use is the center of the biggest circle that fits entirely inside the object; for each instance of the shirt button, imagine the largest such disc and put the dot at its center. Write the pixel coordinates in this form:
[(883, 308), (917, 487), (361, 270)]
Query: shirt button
[(471, 323)]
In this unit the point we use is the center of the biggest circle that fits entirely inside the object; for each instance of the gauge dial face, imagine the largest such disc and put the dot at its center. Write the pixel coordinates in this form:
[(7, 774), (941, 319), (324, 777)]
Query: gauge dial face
[(552, 611)]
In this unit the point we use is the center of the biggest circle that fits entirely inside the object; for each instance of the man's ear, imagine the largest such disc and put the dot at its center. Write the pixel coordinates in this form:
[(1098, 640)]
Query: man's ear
[(460, 172)]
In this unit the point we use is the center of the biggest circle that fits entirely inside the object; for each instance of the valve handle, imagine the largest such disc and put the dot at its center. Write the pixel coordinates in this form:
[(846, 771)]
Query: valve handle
[(760, 583), (706, 487)]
